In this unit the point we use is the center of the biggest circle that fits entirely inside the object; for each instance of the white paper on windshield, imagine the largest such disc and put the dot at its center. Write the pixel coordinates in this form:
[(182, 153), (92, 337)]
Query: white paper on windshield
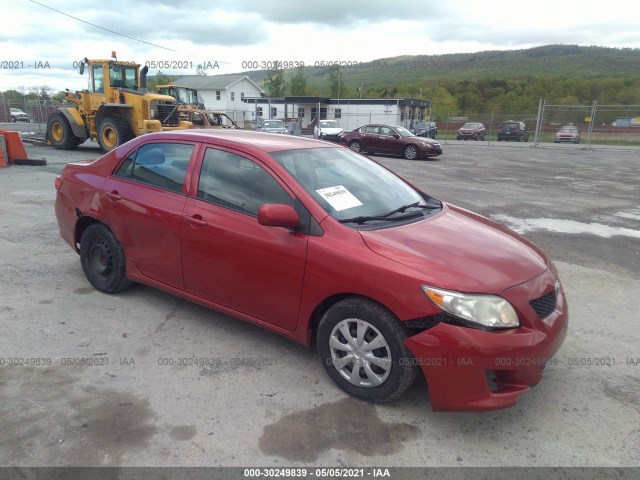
[(339, 197)]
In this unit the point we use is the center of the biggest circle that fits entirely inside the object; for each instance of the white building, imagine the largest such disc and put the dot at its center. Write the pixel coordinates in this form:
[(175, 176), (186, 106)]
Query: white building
[(349, 112), (225, 93)]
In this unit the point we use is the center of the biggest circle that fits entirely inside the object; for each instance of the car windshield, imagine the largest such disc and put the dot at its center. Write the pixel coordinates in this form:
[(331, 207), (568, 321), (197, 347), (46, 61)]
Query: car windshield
[(16, 110), (403, 132), (471, 125), (273, 124), (348, 185), (569, 129), (329, 124)]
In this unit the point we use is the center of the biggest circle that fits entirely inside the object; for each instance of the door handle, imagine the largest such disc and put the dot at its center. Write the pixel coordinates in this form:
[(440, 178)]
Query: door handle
[(195, 220), (113, 195)]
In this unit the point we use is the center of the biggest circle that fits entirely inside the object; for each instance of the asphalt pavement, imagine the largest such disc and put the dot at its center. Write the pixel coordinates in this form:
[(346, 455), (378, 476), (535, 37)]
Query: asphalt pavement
[(143, 378)]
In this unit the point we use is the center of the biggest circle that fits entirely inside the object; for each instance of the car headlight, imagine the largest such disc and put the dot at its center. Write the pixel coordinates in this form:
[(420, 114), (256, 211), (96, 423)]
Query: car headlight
[(489, 311)]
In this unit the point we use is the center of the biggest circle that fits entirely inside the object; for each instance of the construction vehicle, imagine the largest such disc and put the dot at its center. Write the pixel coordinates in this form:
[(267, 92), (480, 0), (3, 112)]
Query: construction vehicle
[(185, 96), (115, 108), (192, 110)]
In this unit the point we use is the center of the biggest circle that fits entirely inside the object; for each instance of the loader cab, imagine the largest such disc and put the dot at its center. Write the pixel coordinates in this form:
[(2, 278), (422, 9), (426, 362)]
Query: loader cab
[(185, 96)]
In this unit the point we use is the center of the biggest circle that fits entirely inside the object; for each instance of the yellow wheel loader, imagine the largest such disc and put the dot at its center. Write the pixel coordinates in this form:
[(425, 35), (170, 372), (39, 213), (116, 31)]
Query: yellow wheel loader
[(115, 108)]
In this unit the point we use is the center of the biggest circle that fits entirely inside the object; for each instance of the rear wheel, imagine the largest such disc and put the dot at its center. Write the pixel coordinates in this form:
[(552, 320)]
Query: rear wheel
[(355, 145), (113, 132), (60, 134), (103, 260), (362, 348)]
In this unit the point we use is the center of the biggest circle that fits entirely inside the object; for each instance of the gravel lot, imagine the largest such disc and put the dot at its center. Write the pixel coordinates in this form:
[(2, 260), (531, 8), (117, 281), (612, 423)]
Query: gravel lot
[(266, 401)]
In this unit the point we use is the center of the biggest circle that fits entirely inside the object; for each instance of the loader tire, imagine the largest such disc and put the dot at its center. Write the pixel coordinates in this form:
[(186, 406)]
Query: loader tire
[(113, 132), (60, 134)]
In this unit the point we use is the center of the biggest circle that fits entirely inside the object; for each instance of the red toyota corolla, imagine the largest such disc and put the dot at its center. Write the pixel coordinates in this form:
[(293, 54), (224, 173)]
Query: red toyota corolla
[(322, 245)]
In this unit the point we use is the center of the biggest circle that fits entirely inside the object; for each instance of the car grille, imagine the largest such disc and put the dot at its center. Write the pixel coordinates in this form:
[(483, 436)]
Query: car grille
[(168, 114), (544, 305)]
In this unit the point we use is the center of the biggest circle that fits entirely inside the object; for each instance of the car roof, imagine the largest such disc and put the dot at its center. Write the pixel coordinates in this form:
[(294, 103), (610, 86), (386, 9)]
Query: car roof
[(267, 142)]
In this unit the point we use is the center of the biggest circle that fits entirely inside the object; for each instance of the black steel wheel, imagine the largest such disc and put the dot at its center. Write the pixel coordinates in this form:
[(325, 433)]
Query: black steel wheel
[(103, 260)]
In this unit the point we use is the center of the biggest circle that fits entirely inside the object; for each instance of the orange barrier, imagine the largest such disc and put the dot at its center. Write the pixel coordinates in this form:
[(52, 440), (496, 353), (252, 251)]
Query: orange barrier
[(3, 162), (15, 148)]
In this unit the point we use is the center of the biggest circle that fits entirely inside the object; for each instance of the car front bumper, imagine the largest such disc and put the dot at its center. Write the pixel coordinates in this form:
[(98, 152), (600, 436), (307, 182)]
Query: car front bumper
[(569, 139), (467, 135), (474, 370), (331, 138), (431, 151)]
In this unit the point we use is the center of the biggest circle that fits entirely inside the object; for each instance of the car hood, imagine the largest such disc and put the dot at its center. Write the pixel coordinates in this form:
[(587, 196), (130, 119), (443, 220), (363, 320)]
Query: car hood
[(427, 140), (331, 131), (459, 250)]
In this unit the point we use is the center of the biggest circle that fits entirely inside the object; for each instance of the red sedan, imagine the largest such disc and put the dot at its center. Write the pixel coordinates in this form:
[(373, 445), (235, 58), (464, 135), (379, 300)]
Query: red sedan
[(322, 245), (391, 139)]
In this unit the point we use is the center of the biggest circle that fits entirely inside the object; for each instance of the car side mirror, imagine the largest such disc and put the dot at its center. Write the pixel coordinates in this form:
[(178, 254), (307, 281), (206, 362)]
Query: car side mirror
[(396, 136), (278, 215)]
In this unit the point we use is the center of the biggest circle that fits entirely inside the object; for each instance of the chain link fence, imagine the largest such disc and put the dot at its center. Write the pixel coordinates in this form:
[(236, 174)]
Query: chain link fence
[(612, 125)]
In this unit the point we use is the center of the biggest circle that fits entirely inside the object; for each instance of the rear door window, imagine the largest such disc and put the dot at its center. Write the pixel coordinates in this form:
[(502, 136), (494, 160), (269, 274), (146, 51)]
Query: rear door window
[(162, 165)]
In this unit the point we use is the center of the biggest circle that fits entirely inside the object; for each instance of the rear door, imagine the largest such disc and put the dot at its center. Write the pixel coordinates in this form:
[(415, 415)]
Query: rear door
[(143, 202), (228, 257), (370, 138), (387, 143)]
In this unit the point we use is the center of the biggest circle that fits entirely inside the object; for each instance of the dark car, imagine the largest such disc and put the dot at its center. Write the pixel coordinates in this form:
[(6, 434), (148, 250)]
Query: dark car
[(324, 246), (471, 131), (425, 129), (513, 131), (391, 139), (18, 115), (568, 133)]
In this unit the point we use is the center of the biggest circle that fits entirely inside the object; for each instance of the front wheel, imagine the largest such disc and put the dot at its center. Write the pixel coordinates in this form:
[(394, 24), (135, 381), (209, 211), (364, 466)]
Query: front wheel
[(355, 145), (361, 345), (113, 132), (410, 152), (103, 260)]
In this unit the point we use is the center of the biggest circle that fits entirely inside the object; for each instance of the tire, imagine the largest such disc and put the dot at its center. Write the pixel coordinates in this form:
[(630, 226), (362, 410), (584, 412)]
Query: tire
[(410, 152), (103, 260), (60, 134), (113, 132), (355, 145), (394, 369)]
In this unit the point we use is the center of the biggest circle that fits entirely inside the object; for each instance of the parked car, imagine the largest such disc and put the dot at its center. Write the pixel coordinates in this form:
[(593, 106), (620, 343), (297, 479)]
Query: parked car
[(513, 131), (208, 119), (273, 126), (320, 244), (425, 129), (568, 133), (471, 131), (327, 130), (392, 139), (18, 115)]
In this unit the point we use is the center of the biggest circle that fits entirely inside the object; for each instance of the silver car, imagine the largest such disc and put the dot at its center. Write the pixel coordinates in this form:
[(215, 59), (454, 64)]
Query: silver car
[(273, 126)]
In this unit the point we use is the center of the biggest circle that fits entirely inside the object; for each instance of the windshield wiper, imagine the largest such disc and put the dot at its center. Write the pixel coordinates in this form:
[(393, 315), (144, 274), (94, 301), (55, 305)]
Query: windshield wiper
[(387, 216)]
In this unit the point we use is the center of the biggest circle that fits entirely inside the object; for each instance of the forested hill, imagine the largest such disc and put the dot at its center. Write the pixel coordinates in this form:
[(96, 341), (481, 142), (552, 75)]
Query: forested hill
[(550, 61)]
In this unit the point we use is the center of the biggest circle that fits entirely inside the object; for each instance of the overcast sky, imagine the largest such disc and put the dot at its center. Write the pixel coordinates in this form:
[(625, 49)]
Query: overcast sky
[(232, 32)]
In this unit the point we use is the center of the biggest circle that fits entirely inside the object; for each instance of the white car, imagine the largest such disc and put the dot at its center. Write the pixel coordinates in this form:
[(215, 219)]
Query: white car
[(327, 130), (18, 115)]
